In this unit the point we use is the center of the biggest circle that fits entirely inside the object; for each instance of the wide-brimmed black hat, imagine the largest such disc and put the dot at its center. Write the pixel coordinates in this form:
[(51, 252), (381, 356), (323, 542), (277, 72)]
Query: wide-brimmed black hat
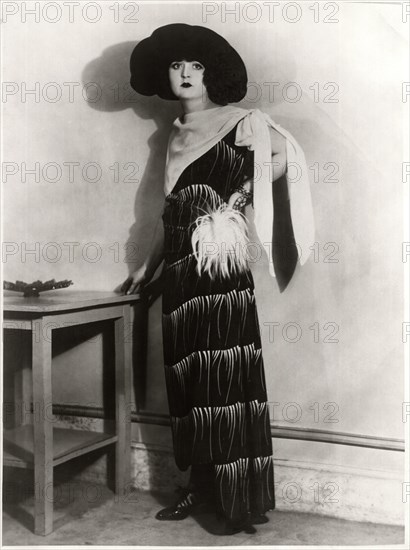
[(225, 74)]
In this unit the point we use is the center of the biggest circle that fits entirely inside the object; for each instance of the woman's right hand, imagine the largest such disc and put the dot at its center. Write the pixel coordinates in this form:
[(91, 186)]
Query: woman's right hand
[(133, 283)]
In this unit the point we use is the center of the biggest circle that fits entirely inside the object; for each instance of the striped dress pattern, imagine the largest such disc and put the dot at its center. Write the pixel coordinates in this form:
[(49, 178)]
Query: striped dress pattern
[(214, 368)]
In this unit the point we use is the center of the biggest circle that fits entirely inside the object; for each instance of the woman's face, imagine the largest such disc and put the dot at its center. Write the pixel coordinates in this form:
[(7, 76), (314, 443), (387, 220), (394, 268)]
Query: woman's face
[(187, 79)]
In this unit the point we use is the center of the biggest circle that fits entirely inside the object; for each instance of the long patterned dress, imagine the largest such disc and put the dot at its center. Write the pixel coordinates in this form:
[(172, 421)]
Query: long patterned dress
[(214, 368)]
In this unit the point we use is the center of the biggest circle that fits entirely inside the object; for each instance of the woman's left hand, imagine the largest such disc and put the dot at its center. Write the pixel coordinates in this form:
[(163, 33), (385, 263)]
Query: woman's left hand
[(247, 186)]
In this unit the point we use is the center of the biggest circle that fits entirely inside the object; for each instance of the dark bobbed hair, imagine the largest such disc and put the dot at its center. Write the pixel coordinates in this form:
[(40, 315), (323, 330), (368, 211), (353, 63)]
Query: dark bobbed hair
[(225, 74)]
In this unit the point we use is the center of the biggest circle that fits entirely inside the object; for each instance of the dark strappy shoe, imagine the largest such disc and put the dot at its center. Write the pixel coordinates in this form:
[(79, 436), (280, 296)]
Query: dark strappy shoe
[(258, 519), (180, 510), (233, 527)]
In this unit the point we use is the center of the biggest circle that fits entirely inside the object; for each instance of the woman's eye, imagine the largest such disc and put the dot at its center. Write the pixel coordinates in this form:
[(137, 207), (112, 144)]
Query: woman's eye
[(177, 65)]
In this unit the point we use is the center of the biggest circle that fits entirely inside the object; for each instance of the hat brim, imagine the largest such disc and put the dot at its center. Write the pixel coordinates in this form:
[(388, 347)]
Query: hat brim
[(152, 56)]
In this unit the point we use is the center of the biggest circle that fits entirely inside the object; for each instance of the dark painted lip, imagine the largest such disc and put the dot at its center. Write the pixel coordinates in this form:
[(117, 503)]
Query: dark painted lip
[(186, 85)]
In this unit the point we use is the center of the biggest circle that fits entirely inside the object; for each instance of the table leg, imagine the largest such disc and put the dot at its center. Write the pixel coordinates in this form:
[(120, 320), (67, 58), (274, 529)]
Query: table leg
[(43, 429), (122, 401), (23, 384)]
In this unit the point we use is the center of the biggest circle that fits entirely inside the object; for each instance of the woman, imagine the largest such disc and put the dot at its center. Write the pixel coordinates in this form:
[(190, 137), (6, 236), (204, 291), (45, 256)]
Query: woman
[(211, 338)]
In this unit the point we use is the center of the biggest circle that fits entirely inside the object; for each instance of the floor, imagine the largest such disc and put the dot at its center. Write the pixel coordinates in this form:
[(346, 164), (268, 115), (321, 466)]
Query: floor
[(90, 514)]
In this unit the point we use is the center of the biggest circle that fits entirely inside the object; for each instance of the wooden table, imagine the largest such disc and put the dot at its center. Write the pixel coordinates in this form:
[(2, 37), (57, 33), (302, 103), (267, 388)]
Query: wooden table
[(38, 445)]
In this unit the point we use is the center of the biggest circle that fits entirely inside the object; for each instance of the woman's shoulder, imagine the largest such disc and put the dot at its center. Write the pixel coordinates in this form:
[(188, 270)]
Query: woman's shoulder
[(230, 138), (278, 141)]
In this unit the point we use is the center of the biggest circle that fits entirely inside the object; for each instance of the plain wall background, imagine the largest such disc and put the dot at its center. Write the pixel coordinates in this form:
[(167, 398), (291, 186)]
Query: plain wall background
[(362, 212)]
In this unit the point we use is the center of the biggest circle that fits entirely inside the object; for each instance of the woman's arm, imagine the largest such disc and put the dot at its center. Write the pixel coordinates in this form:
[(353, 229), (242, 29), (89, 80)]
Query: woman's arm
[(154, 258), (279, 160)]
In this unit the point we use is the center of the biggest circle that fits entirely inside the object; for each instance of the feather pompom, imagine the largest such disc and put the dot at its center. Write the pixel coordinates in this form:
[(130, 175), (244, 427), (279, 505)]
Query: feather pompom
[(219, 242)]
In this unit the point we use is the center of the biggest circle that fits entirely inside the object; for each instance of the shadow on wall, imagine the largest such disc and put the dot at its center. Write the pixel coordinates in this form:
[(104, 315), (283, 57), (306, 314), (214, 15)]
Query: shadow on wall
[(110, 72)]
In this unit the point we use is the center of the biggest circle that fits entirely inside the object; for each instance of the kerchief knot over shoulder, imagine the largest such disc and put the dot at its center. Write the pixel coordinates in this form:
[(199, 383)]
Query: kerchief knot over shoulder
[(197, 132)]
